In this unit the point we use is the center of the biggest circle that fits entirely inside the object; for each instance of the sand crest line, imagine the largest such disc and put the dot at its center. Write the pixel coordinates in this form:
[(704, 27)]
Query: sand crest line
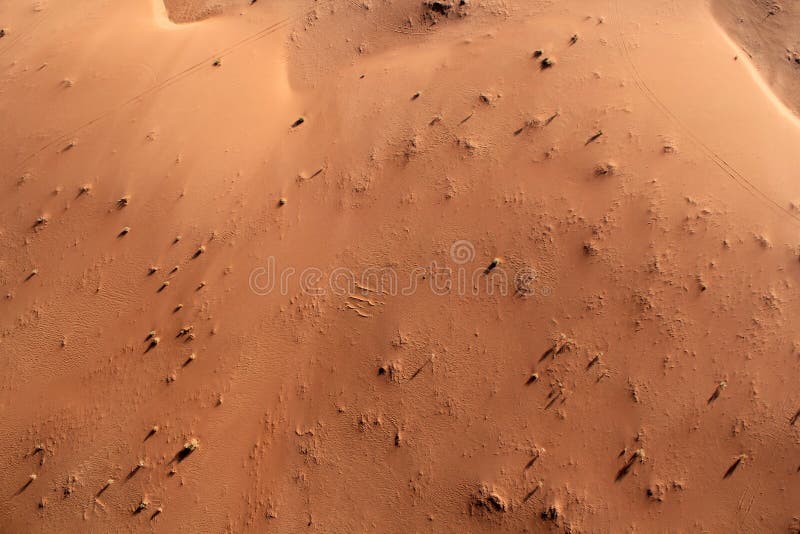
[(757, 77), (720, 162)]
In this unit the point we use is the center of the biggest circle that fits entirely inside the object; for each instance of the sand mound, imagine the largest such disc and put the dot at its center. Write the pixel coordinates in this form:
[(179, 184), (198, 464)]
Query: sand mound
[(184, 11)]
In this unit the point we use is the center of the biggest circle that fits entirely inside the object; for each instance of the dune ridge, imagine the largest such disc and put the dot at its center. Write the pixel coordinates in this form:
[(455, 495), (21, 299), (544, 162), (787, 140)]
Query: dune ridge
[(768, 33)]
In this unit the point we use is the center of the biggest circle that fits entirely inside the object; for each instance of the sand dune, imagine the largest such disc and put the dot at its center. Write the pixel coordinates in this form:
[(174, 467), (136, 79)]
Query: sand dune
[(377, 266), (184, 11), (769, 34)]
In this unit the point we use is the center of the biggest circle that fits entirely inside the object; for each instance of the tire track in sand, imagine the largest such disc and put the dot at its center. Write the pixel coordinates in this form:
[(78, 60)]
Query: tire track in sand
[(743, 181)]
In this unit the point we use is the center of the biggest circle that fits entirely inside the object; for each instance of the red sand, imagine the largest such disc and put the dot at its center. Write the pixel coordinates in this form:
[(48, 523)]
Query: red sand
[(652, 273)]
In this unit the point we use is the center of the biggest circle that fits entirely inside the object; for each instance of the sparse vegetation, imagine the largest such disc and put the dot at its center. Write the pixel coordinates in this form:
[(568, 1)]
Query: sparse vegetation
[(637, 457), (492, 266), (718, 391), (487, 501), (594, 137), (735, 465)]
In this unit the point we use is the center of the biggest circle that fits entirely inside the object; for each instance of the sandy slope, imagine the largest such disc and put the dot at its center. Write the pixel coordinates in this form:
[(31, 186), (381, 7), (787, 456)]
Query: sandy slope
[(769, 33), (429, 141)]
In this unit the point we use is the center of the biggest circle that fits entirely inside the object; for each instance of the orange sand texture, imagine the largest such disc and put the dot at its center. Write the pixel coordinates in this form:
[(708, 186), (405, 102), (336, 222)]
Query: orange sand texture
[(630, 364)]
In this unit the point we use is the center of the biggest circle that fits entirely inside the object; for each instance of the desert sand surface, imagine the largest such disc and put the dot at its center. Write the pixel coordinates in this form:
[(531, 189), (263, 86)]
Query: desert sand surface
[(523, 266)]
